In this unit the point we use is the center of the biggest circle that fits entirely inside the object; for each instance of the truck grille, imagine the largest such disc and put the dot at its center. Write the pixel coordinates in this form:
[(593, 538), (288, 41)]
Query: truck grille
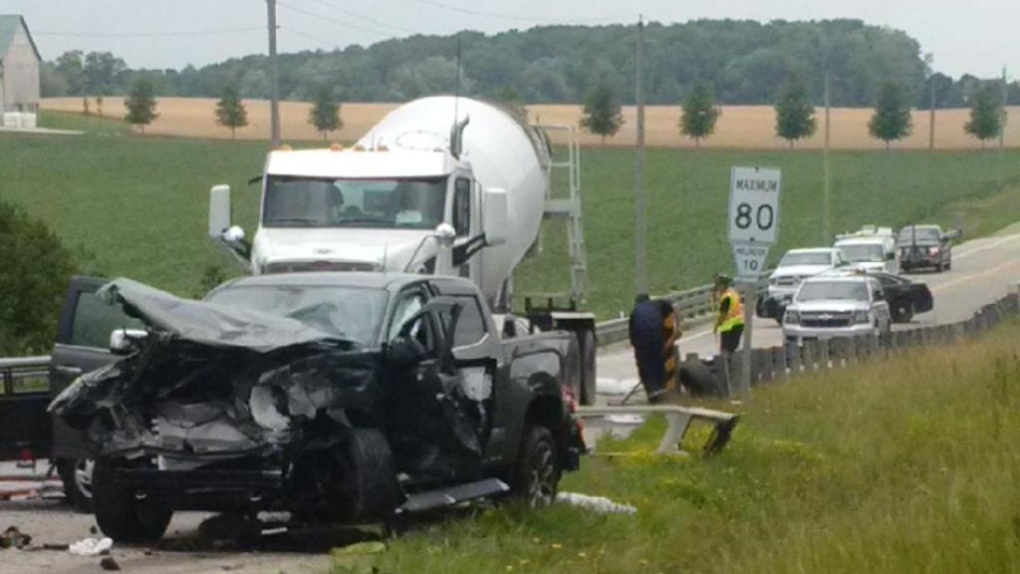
[(306, 266), (826, 320)]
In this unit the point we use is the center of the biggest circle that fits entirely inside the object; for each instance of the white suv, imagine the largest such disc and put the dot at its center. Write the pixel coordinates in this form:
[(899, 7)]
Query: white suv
[(799, 264), (831, 306)]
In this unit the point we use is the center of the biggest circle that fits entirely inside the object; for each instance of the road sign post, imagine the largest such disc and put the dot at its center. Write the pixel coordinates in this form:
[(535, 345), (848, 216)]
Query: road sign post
[(753, 227)]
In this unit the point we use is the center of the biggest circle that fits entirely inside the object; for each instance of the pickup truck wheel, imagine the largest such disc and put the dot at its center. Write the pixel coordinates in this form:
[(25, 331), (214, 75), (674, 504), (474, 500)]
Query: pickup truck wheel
[(537, 476), (123, 513), (76, 476), (370, 487), (589, 375)]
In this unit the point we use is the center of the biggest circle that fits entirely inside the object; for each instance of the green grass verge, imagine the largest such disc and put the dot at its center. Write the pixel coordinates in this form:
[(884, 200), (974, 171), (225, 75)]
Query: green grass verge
[(901, 466), (137, 206)]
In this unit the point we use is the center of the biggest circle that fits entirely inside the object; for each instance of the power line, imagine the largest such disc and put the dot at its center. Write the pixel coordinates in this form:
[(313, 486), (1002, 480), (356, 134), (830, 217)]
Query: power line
[(311, 37), (515, 17), (365, 18), (148, 34), (334, 20)]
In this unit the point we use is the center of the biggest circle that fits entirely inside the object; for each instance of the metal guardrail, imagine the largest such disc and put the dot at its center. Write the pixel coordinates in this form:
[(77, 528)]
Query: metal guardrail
[(678, 419), (14, 371), (693, 305)]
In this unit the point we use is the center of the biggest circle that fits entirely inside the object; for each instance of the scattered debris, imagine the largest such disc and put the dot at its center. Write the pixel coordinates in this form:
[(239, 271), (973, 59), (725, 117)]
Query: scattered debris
[(109, 563), (625, 419), (61, 547), (14, 538), (599, 504), (91, 547)]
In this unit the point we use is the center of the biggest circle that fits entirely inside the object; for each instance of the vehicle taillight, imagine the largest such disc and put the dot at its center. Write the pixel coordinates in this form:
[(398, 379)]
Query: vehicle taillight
[(569, 399)]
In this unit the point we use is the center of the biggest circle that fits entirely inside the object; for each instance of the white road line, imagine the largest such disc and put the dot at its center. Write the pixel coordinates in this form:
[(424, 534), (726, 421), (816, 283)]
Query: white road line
[(1006, 239), (968, 278)]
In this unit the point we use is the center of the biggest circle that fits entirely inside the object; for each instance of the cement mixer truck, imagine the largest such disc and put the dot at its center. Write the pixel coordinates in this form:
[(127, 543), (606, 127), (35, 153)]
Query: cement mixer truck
[(441, 186)]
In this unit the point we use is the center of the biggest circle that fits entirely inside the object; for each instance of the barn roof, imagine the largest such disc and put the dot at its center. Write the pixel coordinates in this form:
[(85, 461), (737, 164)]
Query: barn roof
[(8, 27)]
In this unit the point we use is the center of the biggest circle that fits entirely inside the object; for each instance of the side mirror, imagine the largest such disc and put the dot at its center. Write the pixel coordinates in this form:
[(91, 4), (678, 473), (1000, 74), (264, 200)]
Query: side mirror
[(404, 353), (124, 341), (219, 210), (495, 217)]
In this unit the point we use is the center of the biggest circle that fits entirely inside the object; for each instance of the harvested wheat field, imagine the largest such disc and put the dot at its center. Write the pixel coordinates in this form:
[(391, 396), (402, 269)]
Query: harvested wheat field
[(740, 127)]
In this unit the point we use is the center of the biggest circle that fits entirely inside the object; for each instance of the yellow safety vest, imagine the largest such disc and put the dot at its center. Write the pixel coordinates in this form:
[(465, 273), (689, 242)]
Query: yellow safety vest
[(735, 316)]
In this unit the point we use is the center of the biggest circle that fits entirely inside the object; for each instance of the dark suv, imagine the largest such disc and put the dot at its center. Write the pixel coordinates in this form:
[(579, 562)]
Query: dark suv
[(926, 246)]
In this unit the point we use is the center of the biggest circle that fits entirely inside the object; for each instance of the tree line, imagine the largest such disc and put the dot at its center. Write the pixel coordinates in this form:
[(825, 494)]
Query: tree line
[(795, 114), (742, 62)]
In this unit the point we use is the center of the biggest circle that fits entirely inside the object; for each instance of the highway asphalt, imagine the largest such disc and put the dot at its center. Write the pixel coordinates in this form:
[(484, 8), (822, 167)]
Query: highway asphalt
[(983, 270)]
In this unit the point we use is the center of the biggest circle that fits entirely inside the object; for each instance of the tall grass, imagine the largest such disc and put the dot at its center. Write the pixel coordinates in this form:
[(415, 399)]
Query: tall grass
[(902, 466)]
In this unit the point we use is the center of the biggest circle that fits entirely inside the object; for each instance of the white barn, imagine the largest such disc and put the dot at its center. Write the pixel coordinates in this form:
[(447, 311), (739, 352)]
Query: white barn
[(19, 66)]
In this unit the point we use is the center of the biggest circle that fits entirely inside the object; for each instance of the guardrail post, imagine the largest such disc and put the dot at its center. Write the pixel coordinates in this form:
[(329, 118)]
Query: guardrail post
[(851, 351), (794, 354), (823, 356), (778, 358), (810, 354), (762, 359)]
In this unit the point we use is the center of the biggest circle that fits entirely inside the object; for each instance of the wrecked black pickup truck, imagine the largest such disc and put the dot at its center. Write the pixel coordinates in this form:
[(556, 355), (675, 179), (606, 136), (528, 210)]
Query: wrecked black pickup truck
[(331, 396)]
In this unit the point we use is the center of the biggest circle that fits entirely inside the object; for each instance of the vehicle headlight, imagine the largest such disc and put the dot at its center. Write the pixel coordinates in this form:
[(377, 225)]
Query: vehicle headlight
[(933, 250), (862, 317), (792, 317)]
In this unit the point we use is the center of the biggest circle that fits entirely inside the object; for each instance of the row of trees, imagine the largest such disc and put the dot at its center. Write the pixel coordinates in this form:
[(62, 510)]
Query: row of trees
[(795, 114), (230, 112), (746, 63)]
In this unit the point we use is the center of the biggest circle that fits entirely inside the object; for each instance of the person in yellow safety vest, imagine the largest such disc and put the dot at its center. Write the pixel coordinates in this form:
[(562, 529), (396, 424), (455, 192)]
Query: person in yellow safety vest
[(729, 322)]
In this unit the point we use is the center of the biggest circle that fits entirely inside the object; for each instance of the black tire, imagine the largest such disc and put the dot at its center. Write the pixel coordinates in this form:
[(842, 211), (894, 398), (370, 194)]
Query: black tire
[(370, 490), (902, 311), (949, 265), (699, 379), (76, 475), (589, 372), (537, 472), (121, 513)]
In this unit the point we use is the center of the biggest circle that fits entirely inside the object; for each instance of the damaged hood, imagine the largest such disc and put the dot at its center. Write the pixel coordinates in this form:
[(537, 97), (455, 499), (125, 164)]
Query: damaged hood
[(210, 324)]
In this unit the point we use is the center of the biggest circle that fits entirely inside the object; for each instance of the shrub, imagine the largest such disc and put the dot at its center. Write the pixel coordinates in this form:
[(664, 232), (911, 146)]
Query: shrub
[(34, 273)]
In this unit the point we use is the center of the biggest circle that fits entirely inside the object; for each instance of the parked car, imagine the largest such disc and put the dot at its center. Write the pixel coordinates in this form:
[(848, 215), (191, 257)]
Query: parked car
[(332, 396), (906, 298), (831, 306), (926, 246), (795, 266)]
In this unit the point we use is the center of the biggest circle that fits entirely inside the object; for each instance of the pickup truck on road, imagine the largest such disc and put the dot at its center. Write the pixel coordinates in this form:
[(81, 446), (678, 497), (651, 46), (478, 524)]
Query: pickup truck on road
[(332, 396)]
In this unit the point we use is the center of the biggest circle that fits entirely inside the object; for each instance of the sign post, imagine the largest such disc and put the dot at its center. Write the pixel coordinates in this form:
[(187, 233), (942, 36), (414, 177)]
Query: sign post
[(753, 227)]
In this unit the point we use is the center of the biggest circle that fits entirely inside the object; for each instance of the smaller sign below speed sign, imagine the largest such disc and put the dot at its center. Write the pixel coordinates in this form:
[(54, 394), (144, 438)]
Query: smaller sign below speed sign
[(750, 260), (754, 205)]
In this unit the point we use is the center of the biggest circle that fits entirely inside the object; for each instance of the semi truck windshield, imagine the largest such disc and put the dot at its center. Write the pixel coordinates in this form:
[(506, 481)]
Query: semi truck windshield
[(375, 203)]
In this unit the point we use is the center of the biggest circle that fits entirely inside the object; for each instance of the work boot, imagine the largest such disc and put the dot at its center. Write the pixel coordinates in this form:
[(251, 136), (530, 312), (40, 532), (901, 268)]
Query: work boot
[(656, 397)]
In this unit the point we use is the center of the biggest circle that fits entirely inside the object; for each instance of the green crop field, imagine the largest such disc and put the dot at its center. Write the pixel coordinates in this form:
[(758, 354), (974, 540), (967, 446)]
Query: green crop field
[(137, 206), (902, 466)]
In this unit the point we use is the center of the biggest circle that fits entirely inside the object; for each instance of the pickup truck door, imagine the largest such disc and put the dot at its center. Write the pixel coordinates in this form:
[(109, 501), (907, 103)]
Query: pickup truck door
[(436, 423), (83, 339)]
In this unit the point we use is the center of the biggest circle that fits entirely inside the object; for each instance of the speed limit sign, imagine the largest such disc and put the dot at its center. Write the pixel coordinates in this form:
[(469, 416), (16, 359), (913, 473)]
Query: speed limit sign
[(754, 205)]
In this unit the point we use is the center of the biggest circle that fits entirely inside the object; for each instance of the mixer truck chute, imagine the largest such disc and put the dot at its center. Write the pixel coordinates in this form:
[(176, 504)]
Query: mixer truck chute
[(441, 185)]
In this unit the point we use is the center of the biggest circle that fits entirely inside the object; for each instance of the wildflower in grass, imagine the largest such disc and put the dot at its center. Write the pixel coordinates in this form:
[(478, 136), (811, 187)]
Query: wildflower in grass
[(556, 546)]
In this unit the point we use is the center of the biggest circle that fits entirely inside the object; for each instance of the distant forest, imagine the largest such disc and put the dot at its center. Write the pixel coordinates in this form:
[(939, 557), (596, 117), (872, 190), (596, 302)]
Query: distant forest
[(743, 62)]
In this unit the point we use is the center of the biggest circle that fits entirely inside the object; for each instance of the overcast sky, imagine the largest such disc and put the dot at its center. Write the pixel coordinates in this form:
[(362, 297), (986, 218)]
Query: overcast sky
[(964, 37)]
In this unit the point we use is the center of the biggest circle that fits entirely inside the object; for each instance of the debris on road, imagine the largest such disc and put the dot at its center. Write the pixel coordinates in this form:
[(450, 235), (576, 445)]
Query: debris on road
[(14, 538), (599, 504), (109, 563), (91, 547)]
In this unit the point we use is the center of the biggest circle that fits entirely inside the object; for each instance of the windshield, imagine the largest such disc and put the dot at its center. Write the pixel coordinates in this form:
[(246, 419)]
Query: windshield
[(862, 252), (819, 290), (907, 235), (345, 312), (820, 258), (376, 203)]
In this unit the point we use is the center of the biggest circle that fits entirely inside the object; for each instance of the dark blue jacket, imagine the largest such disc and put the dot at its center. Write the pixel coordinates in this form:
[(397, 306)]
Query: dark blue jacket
[(646, 324)]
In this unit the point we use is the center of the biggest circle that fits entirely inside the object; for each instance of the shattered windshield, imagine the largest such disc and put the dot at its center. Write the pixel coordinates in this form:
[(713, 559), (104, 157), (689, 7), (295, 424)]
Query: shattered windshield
[(819, 258), (862, 252), (843, 290), (346, 312), (376, 203)]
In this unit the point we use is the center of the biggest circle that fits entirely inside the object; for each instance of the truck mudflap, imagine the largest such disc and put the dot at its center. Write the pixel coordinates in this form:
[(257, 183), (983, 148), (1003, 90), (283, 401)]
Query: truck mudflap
[(213, 387)]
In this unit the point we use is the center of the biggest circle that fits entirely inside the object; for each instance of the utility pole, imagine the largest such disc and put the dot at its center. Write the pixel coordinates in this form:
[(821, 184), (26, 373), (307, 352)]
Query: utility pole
[(928, 59), (640, 258), (1002, 126), (826, 185), (274, 77)]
